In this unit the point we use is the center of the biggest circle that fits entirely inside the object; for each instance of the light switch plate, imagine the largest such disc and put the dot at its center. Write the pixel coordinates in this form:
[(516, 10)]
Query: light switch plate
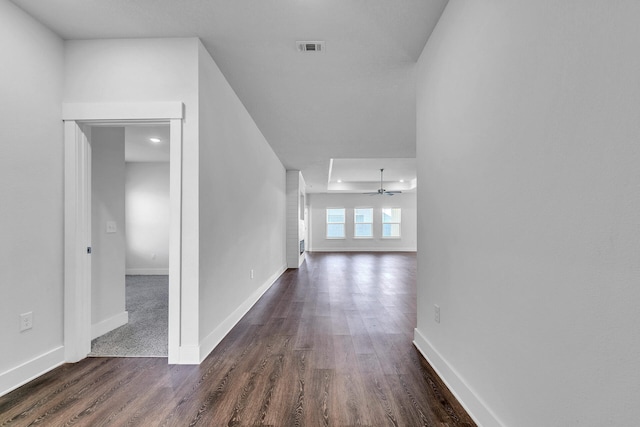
[(111, 227)]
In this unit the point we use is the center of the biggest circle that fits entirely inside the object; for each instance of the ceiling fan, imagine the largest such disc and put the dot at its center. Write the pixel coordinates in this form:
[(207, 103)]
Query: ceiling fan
[(381, 191)]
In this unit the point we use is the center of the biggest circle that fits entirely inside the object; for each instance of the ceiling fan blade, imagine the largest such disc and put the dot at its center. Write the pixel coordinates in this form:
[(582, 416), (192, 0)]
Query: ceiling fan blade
[(381, 191)]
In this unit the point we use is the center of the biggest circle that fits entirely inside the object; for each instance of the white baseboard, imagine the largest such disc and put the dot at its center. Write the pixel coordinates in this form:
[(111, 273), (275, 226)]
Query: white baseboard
[(380, 249), (213, 339), (475, 407), (147, 271), (22, 374), (107, 325)]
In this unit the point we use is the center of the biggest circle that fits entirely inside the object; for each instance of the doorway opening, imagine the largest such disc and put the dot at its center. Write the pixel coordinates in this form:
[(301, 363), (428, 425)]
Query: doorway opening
[(79, 119), (130, 240)]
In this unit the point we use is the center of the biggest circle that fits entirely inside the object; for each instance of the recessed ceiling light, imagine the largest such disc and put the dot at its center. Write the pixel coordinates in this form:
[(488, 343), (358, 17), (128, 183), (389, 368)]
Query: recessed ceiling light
[(339, 180), (402, 180), (154, 140)]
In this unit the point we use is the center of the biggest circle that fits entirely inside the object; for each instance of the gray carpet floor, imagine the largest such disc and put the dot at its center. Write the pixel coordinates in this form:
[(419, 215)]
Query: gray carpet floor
[(147, 301)]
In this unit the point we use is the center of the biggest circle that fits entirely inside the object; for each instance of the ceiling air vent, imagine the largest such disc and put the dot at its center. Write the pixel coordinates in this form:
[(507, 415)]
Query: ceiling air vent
[(310, 46)]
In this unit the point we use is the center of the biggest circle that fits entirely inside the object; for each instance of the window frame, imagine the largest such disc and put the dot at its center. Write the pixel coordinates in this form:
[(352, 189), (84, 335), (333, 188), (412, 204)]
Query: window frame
[(344, 224), (356, 223), (383, 223)]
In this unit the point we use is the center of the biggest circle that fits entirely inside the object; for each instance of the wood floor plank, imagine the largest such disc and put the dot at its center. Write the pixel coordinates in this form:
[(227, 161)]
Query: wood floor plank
[(26, 401), (382, 404), (348, 404), (344, 353), (279, 396), (329, 344), (78, 403)]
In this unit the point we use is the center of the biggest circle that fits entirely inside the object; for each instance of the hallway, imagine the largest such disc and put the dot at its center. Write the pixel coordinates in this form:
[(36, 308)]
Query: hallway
[(329, 344)]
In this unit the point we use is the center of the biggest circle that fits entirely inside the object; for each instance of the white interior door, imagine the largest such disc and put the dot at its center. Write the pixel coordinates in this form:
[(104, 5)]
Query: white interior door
[(77, 318)]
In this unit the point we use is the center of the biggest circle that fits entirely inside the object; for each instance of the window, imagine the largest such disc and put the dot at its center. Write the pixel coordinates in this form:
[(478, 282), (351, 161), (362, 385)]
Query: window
[(363, 222), (335, 223), (390, 222)]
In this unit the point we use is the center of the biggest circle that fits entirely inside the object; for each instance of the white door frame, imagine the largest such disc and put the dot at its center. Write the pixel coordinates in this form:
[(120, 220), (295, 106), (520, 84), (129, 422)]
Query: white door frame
[(77, 214)]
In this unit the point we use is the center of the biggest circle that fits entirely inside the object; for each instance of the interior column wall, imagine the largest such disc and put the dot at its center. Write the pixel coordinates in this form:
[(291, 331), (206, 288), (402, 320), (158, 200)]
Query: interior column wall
[(296, 221), (151, 70)]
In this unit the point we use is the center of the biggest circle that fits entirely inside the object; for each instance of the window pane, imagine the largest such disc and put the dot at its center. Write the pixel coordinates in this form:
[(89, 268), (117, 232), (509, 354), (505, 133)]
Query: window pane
[(390, 214), (390, 230), (363, 230), (335, 215), (363, 214), (335, 223), (335, 231)]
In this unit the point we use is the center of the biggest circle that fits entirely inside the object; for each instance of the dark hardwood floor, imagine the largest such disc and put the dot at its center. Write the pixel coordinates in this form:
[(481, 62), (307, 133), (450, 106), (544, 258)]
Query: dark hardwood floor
[(329, 344)]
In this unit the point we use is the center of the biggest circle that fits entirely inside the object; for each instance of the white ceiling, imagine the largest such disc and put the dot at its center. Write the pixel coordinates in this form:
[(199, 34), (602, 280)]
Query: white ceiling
[(138, 146), (355, 100), (363, 175)]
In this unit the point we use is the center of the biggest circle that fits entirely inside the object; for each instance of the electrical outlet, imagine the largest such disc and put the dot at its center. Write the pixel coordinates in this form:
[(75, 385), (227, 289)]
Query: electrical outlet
[(251, 273), (26, 321), (436, 310)]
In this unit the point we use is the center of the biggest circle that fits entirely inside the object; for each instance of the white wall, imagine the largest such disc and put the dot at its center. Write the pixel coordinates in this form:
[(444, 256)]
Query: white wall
[(31, 189), (242, 207), (318, 204), (108, 248), (529, 194), (147, 217)]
